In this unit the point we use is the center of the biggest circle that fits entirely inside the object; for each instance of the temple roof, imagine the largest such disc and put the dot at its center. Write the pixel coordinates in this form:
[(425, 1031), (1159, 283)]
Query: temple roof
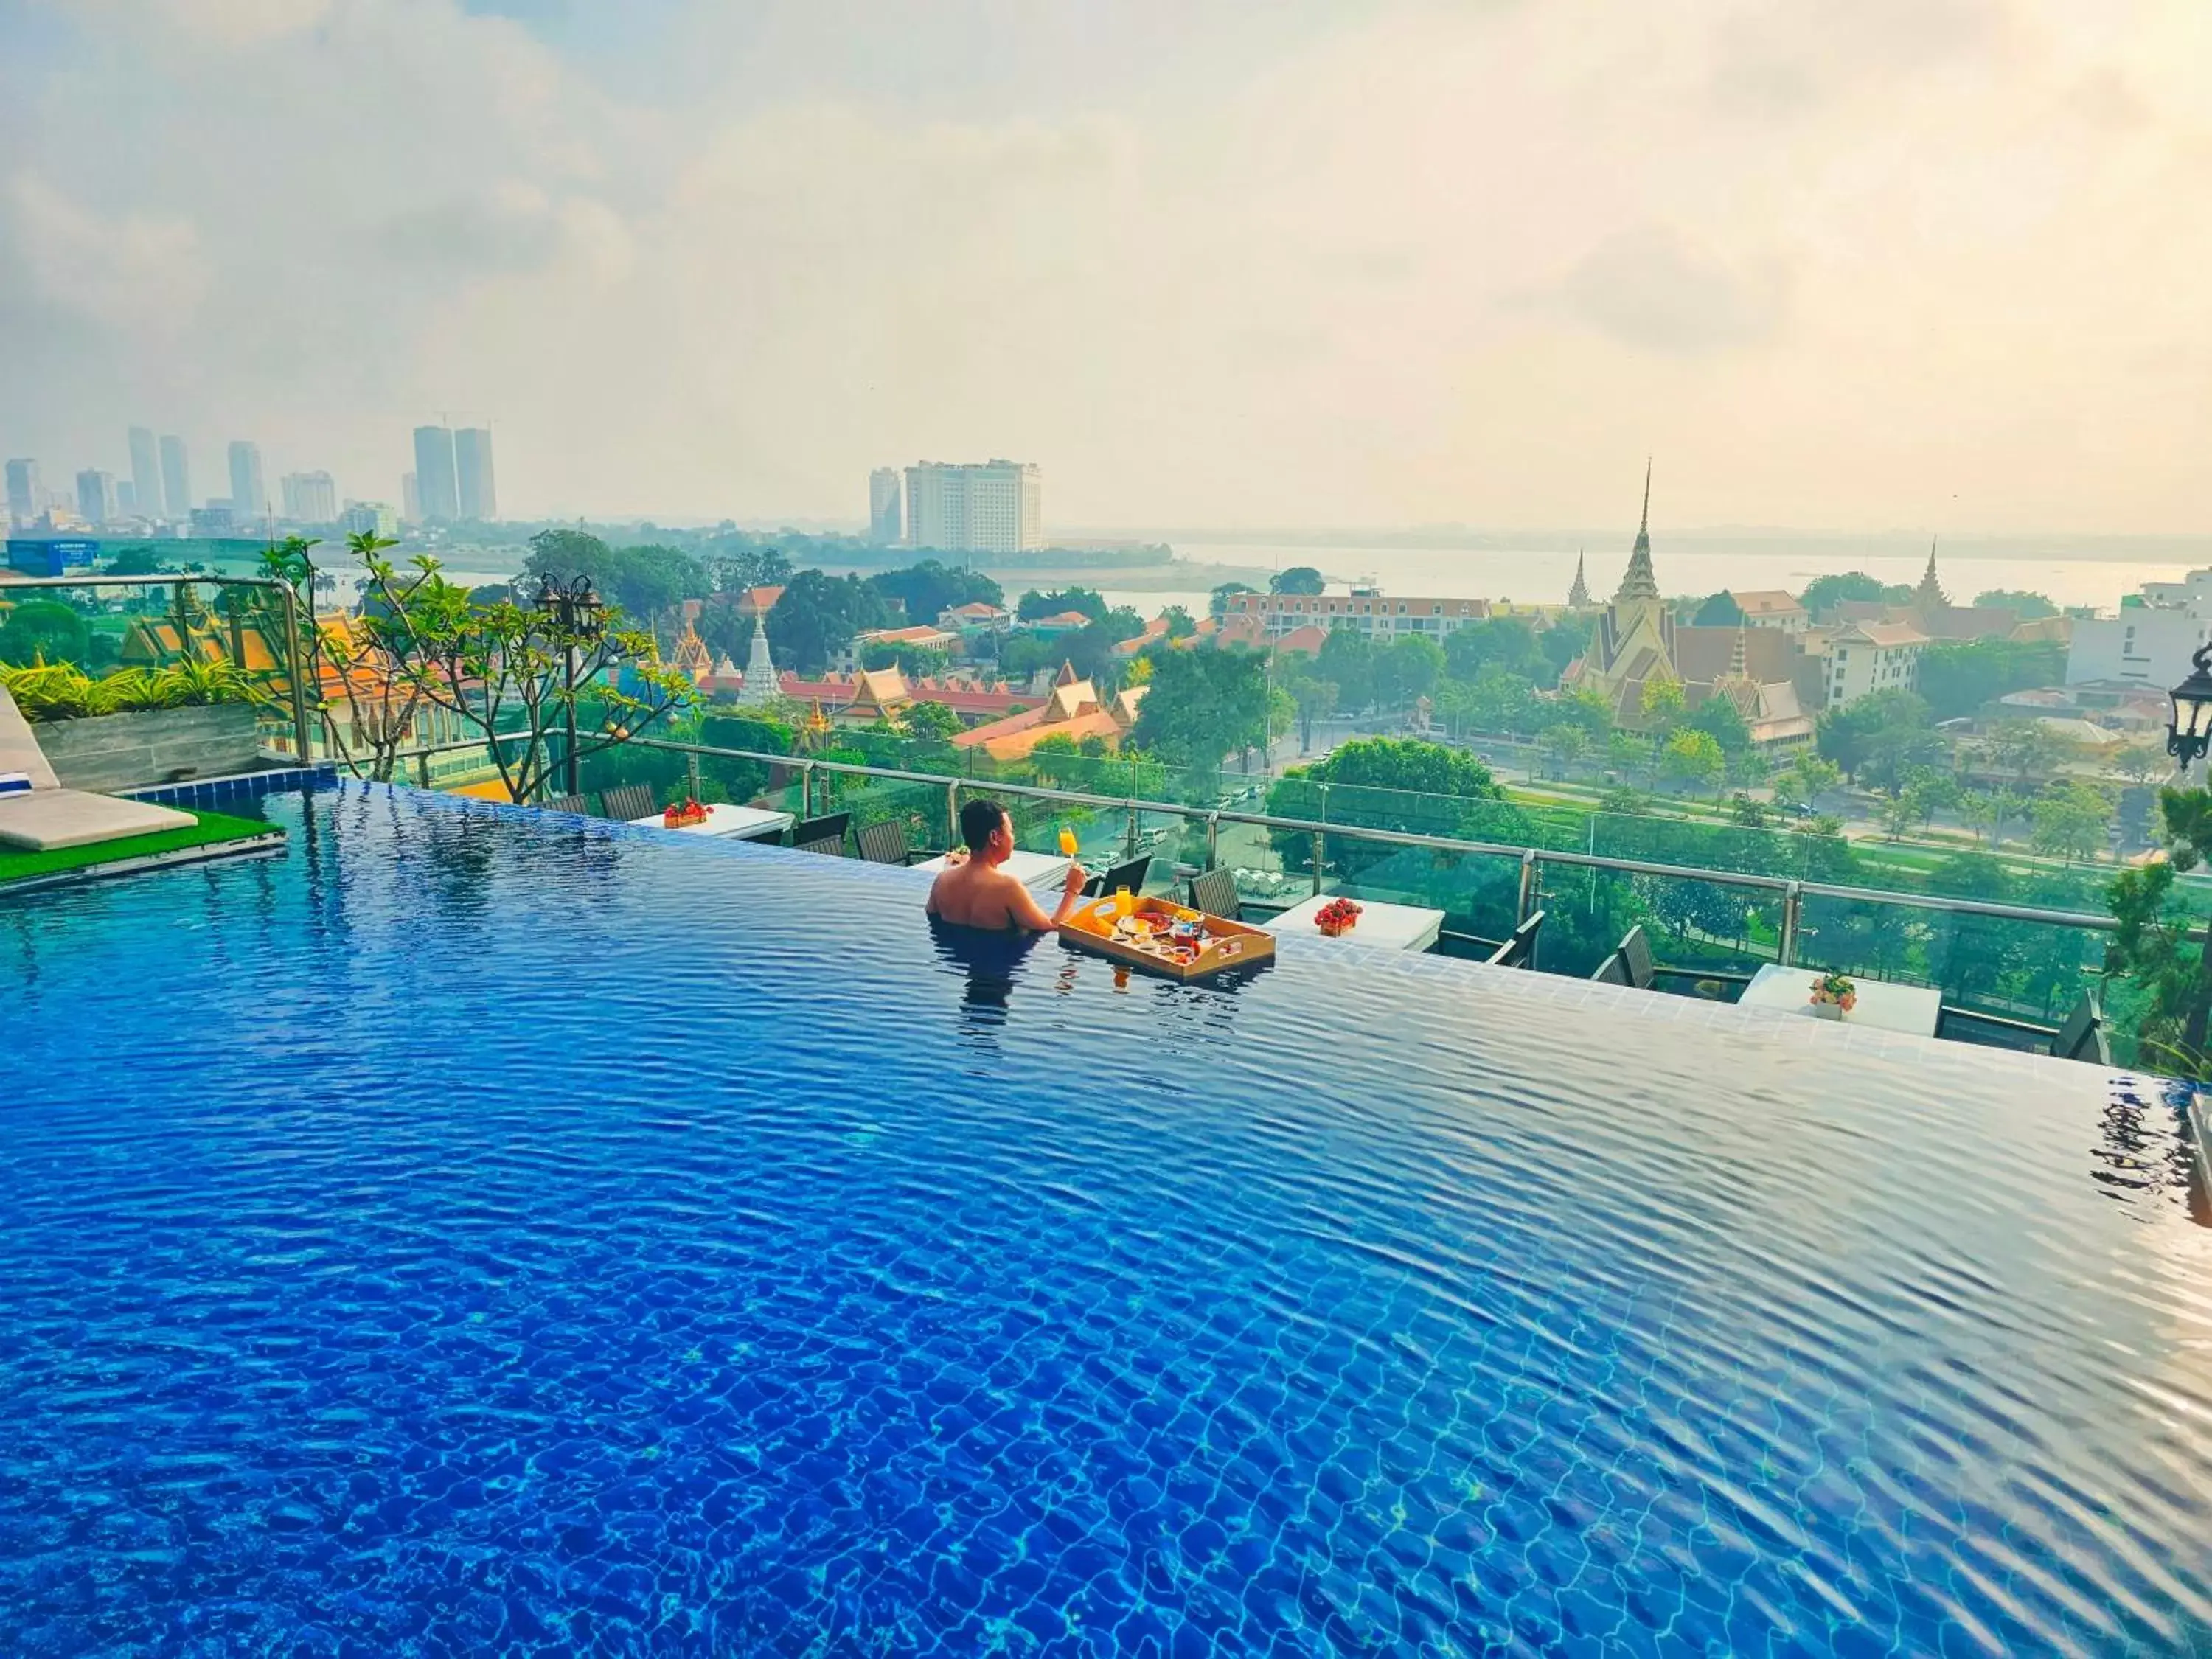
[(1638, 582)]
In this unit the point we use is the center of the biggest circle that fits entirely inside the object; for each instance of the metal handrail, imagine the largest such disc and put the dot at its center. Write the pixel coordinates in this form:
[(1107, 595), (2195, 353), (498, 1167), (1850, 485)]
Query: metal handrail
[(302, 728), (1792, 890)]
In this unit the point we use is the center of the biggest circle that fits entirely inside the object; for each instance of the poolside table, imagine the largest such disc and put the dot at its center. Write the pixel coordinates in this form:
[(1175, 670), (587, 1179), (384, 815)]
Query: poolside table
[(740, 823), (1038, 872), (1885, 1007), (1386, 927)]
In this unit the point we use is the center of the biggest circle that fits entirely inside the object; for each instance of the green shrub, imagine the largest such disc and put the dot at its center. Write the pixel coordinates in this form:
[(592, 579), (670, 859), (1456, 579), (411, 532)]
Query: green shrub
[(60, 692)]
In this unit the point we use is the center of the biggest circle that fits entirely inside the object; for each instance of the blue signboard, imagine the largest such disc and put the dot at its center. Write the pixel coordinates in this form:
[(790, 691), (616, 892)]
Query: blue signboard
[(51, 555)]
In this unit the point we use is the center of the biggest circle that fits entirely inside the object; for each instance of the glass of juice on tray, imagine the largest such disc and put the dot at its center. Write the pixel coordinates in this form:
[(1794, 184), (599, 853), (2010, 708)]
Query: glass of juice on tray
[(1123, 905)]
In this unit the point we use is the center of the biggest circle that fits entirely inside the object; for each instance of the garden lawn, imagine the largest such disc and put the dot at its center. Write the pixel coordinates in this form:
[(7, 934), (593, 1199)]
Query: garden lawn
[(213, 829)]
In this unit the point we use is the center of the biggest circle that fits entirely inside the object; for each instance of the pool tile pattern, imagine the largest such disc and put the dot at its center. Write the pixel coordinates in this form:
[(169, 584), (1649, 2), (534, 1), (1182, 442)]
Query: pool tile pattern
[(517, 1235)]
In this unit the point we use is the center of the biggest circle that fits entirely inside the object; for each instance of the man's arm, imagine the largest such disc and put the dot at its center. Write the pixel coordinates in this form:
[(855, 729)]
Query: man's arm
[(1026, 912)]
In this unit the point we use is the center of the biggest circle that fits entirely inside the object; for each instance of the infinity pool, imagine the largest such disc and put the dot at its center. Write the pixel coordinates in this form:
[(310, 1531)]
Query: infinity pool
[(479, 1232)]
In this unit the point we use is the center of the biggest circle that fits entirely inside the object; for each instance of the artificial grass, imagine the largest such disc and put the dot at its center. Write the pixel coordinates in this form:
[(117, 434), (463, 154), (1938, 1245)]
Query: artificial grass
[(213, 829)]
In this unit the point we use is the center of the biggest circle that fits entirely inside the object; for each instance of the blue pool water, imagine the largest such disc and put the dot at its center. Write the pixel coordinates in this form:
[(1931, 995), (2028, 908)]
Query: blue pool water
[(476, 1232)]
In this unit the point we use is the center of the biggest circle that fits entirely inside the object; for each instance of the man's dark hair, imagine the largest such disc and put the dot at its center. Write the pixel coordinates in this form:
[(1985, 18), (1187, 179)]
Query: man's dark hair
[(978, 822)]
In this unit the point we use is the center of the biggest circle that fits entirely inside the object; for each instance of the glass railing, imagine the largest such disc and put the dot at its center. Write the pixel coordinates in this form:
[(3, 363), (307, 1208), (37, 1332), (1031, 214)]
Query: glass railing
[(176, 640), (2012, 966)]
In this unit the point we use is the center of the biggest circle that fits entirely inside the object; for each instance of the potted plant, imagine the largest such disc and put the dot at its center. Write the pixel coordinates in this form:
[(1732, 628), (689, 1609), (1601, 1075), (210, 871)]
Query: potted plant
[(1833, 996), (1336, 918)]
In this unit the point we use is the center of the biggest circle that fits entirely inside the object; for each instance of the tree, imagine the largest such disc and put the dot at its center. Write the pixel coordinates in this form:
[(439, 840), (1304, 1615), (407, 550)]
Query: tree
[(1721, 610), (1181, 624), (1661, 701), (1566, 640), (2151, 946), (1202, 705), (1314, 697), (1846, 736), (1805, 780), (1719, 719), (932, 722), (1346, 657), (1749, 813), (2072, 819), (1506, 643), (914, 661), (2028, 606), (1585, 710), (43, 630), (514, 670), (1960, 677), (1629, 752), (1218, 602), (137, 561), (2024, 748), (644, 581), (2139, 763), (1824, 593), (1408, 669), (1298, 579), (927, 590), (1033, 605), (1691, 759), (742, 569), (1928, 792), (1562, 745), (817, 615)]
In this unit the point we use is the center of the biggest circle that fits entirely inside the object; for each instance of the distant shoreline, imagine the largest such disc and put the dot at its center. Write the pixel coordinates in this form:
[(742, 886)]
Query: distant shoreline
[(1176, 576)]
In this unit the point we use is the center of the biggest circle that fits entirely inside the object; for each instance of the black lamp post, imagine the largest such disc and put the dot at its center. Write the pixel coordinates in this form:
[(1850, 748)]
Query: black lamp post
[(575, 609), (2189, 734)]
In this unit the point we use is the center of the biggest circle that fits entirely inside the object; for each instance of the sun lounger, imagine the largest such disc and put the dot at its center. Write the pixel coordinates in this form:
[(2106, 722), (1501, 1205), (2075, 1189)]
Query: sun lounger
[(48, 816)]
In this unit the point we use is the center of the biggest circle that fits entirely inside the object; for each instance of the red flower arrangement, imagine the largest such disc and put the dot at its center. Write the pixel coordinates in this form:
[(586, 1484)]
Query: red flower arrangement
[(1336, 917), (685, 812)]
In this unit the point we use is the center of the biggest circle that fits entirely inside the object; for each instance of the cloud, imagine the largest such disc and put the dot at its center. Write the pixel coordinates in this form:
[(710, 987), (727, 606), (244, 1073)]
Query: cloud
[(1649, 289), (139, 273), (1400, 263), (236, 23)]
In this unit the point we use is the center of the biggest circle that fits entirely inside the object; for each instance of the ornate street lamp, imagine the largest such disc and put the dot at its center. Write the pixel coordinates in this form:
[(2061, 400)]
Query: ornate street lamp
[(2189, 734), (576, 610)]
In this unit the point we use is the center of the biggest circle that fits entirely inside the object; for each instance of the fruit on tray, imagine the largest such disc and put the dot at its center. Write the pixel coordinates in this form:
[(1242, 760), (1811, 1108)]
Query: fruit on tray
[(685, 812), (1337, 916)]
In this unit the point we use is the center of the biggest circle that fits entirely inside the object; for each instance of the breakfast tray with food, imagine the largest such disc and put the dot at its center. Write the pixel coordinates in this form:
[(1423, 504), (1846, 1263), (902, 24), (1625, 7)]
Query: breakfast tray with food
[(1162, 937)]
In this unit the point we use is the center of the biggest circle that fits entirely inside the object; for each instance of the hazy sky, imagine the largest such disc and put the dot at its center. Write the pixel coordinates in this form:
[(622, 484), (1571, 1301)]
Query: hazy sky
[(1849, 264)]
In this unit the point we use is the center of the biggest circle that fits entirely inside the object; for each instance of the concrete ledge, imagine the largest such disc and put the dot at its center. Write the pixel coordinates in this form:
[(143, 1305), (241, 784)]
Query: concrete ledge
[(111, 753), (2197, 1129)]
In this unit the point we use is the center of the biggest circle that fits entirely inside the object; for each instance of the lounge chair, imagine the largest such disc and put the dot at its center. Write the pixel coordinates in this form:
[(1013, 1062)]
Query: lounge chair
[(1520, 950), (577, 804), (1215, 893), (46, 817), (1635, 954), (2082, 1035), (884, 842), (821, 834), (1130, 875), (1611, 971), (626, 801)]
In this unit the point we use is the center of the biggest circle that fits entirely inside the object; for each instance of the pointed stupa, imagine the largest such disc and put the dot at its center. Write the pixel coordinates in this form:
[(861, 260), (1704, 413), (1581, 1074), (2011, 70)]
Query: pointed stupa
[(1930, 595), (761, 686), (1638, 583), (1739, 658), (1579, 596)]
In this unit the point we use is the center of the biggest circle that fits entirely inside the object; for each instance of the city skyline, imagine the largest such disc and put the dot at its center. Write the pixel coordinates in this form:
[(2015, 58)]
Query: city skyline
[(1846, 266)]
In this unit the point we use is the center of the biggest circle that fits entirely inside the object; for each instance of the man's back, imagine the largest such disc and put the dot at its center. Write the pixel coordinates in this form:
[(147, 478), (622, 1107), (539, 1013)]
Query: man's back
[(976, 895)]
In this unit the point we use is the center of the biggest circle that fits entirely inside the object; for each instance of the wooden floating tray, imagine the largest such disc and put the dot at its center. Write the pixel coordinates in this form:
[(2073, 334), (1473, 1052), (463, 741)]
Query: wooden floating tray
[(1228, 944)]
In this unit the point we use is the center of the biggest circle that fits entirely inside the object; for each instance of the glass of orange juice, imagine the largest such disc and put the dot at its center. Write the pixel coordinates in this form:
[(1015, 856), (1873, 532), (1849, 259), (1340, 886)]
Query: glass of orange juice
[(1066, 842), (1123, 903)]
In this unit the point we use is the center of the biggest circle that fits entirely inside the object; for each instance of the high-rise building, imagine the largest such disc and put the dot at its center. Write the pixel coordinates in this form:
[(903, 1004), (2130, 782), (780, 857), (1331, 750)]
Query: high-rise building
[(145, 473), (310, 497), (886, 507), (369, 518), (478, 496), (249, 496), (993, 507), (126, 498), (95, 495), (27, 497), (411, 498), (176, 481), (436, 488)]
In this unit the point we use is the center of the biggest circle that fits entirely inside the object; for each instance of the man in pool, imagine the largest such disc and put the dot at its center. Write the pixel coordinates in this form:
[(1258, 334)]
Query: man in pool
[(973, 891)]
